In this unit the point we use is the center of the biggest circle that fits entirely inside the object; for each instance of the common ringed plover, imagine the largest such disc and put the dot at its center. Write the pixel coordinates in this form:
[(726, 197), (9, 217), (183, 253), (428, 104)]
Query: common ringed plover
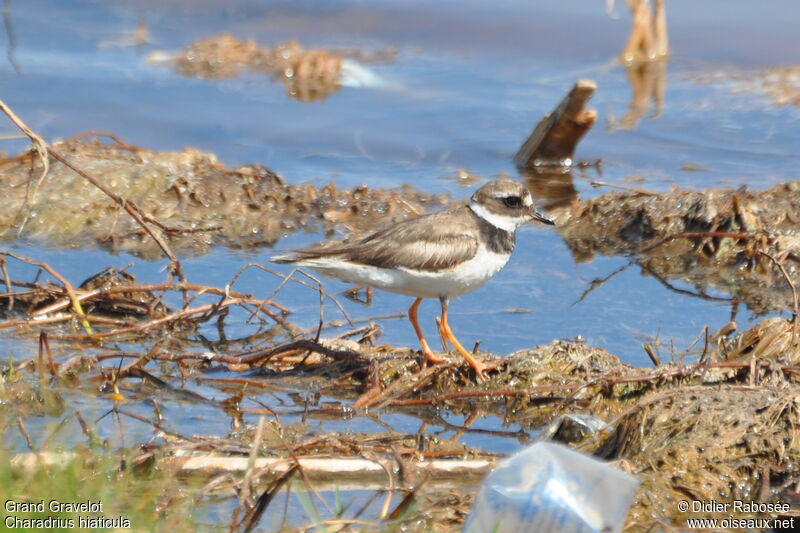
[(439, 255)]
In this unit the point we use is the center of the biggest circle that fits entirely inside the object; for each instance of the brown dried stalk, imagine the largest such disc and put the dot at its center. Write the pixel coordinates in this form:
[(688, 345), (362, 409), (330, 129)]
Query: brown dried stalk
[(39, 146), (76, 304), (148, 224), (791, 285)]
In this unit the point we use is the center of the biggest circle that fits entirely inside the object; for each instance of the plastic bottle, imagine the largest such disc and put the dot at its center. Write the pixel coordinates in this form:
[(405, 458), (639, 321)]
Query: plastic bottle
[(548, 487)]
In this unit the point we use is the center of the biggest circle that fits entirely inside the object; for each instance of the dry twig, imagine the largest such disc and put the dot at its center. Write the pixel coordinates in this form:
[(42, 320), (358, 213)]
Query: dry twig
[(39, 146)]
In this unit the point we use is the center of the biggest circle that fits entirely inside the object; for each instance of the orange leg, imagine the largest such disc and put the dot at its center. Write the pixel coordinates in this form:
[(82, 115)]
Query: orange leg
[(426, 351), (445, 348), (477, 365)]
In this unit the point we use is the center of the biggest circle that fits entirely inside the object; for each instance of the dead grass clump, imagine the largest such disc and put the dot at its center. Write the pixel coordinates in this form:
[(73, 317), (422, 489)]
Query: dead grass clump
[(308, 74), (198, 201), (116, 302), (221, 56), (772, 338), (558, 361), (109, 293), (742, 242), (707, 443)]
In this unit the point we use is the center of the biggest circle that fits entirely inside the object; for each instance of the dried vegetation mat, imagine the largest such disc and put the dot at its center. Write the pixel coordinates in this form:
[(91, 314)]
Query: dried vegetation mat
[(198, 202), (741, 242)]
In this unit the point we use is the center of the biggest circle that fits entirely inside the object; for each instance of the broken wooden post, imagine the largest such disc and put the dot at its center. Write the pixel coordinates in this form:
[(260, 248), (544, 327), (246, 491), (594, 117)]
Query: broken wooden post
[(553, 141)]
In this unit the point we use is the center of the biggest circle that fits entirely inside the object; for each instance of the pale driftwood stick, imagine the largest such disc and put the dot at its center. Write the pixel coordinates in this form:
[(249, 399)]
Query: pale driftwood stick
[(554, 139), (356, 470), (346, 473)]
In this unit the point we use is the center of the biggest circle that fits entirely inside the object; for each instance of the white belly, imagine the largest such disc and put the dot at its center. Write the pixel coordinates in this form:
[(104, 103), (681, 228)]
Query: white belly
[(462, 279)]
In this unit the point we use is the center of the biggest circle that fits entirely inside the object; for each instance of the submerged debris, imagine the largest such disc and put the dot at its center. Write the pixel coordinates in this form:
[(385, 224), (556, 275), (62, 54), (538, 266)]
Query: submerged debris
[(308, 74), (781, 84)]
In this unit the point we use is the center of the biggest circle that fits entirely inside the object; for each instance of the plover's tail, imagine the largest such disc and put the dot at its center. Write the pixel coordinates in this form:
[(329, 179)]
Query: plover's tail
[(306, 257), (285, 257)]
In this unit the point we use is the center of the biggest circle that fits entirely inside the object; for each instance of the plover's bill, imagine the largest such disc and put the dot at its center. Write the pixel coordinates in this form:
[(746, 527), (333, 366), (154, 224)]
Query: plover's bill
[(439, 255)]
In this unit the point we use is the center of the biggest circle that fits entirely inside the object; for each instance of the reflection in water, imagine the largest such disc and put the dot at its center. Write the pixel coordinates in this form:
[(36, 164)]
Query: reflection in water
[(12, 40), (553, 186), (737, 242), (648, 86), (136, 38)]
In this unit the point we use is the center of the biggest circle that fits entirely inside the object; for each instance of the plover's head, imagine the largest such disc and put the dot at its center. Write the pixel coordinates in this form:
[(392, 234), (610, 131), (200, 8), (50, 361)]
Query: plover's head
[(505, 204)]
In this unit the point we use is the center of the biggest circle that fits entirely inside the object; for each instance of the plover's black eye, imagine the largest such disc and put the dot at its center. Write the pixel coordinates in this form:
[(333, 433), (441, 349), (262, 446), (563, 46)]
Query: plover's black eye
[(515, 202)]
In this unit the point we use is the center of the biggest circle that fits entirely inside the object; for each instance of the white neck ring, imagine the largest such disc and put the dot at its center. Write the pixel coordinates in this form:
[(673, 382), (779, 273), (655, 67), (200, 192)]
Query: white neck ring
[(498, 221)]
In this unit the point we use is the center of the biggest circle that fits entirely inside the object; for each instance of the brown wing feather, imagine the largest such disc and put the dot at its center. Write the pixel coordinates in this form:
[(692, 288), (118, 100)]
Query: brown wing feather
[(438, 241)]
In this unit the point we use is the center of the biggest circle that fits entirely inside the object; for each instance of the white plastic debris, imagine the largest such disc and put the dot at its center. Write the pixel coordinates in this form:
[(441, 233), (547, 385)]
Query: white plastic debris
[(548, 487), (354, 74)]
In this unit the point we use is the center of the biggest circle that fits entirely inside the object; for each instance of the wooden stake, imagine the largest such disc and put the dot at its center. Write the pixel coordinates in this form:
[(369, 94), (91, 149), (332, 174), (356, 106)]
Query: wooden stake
[(553, 141)]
